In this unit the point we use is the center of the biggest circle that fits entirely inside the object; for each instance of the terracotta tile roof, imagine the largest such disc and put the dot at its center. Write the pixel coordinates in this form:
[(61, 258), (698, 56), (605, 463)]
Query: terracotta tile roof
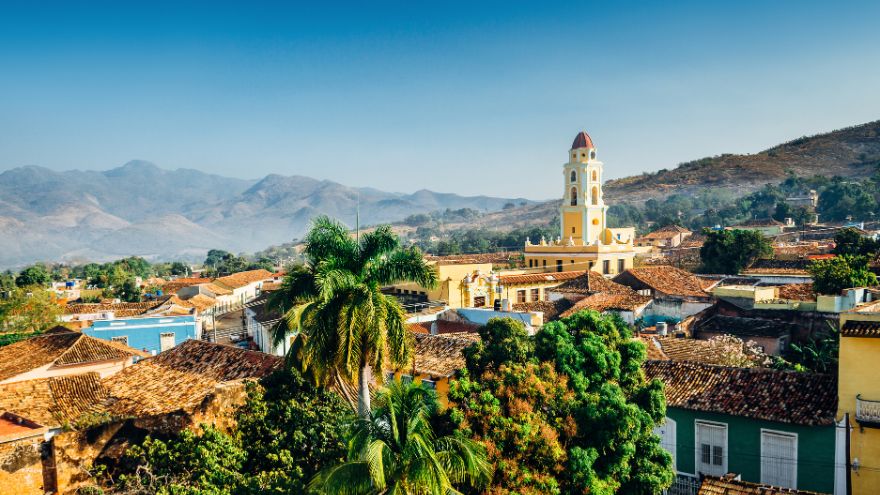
[(53, 401), (439, 355), (175, 285), (122, 309), (200, 302), (769, 266), (182, 377), (686, 349), (59, 348), (712, 485), (609, 302), (744, 327), (758, 393), (797, 292), (853, 328), (550, 309), (589, 283), (664, 279), (422, 328), (241, 279), (653, 351), (446, 326), (217, 289), (539, 278), (666, 232)]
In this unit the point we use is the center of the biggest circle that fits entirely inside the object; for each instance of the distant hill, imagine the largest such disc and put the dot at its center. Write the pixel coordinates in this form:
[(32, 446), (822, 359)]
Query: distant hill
[(141, 209), (850, 152)]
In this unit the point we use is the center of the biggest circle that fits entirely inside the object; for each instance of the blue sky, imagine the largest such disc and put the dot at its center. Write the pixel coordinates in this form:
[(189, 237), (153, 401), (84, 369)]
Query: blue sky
[(470, 97)]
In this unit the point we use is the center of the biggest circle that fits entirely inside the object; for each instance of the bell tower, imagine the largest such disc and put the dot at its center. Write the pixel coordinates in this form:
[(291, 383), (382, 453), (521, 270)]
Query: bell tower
[(582, 214)]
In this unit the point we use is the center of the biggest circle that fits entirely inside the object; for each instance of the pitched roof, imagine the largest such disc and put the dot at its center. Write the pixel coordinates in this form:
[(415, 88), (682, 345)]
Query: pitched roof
[(550, 309), (440, 355), (241, 279), (217, 289), (745, 327), (854, 328), (121, 309), (537, 278), (465, 259), (713, 485), (760, 222), (589, 283), (685, 349), (666, 232), (792, 267), (175, 285), (53, 401), (59, 347), (609, 302), (665, 279), (182, 377), (758, 393), (200, 302)]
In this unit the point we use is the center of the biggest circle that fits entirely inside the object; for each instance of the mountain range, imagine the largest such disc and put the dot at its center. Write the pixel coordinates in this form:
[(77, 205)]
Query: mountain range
[(141, 209)]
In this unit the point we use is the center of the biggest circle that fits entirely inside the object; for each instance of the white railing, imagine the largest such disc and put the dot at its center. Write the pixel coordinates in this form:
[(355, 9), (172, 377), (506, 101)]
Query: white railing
[(683, 484), (867, 410)]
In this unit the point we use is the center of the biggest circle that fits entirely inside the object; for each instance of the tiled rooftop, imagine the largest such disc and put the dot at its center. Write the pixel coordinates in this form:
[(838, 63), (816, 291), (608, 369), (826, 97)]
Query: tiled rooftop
[(665, 279), (797, 292), (713, 485), (122, 309), (745, 327), (464, 259), (550, 309), (241, 279), (173, 286), (53, 401), (666, 232), (440, 355), (59, 347), (538, 278), (686, 349), (182, 377), (609, 302), (589, 283), (758, 393)]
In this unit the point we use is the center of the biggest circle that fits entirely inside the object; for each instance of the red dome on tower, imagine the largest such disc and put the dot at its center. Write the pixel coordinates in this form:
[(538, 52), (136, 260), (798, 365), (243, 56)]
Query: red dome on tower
[(582, 140)]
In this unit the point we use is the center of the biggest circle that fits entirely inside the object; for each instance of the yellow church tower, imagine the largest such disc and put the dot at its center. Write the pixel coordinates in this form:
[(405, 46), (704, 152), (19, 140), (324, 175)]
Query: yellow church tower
[(585, 241)]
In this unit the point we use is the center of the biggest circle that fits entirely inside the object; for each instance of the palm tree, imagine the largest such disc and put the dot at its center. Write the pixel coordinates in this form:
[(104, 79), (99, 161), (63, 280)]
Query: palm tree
[(346, 325), (394, 451)]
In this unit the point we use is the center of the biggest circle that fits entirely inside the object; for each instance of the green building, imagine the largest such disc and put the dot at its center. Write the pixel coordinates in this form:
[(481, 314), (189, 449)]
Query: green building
[(767, 426)]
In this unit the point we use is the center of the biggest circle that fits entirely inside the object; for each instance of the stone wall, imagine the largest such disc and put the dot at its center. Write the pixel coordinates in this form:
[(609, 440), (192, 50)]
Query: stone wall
[(21, 467)]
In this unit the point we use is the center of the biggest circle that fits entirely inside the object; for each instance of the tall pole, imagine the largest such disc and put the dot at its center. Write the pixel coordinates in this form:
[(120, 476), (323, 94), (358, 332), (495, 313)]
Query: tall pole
[(357, 219), (848, 456)]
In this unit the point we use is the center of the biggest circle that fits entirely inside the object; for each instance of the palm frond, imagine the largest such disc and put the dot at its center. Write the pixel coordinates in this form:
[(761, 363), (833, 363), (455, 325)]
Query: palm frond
[(377, 243), (402, 265)]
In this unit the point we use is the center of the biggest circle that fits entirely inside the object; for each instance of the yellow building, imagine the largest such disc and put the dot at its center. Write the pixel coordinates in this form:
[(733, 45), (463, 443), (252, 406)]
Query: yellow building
[(859, 393), (585, 241), (449, 283)]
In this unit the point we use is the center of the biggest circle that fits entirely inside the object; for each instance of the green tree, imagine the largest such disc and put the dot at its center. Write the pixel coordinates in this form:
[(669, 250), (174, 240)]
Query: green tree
[(7, 280), (834, 275), (347, 325), (851, 241), (395, 450), (34, 275), (215, 256), (28, 311), (292, 430), (180, 269), (819, 355), (190, 464), (730, 251), (128, 291), (577, 418)]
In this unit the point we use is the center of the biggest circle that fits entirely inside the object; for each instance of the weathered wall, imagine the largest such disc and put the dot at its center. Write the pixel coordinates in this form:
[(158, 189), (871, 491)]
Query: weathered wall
[(21, 469)]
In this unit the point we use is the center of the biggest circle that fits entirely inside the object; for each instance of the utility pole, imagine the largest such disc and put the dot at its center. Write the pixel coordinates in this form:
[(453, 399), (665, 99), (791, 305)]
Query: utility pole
[(848, 456)]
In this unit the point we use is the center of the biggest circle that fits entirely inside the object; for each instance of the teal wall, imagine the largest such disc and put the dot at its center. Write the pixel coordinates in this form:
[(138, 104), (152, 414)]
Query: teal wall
[(815, 444)]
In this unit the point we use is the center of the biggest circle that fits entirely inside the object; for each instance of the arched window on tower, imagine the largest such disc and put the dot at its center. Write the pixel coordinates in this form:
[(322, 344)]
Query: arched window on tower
[(595, 176), (574, 176), (595, 195), (574, 196)]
